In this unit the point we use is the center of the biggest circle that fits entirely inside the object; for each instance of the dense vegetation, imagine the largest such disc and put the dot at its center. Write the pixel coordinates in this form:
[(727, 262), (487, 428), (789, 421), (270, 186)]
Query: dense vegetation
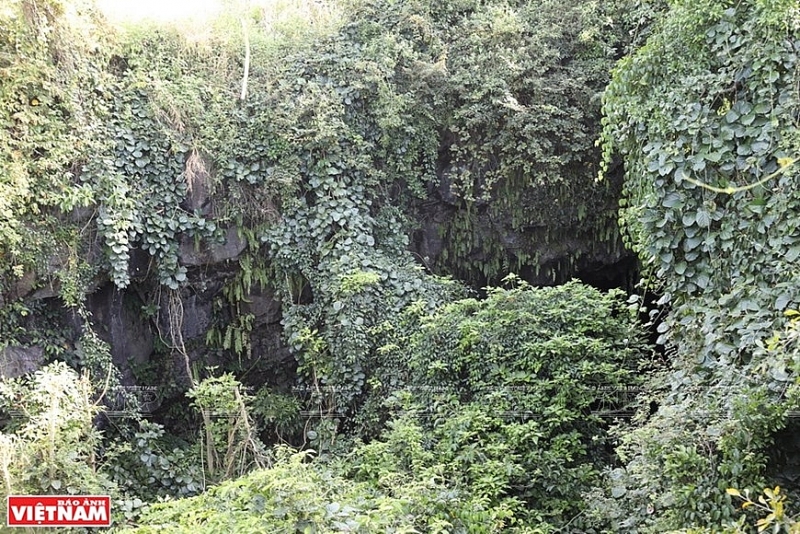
[(337, 182), (706, 117)]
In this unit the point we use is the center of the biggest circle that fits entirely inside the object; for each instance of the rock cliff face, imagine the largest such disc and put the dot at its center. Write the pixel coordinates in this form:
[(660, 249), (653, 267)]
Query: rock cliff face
[(154, 333), (117, 316), (548, 237), (18, 361), (474, 138), (576, 253)]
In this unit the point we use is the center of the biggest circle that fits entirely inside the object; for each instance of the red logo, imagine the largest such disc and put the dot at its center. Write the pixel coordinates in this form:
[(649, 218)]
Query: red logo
[(59, 511)]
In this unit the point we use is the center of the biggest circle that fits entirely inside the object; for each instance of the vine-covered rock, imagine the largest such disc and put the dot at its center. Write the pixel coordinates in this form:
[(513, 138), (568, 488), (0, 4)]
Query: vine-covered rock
[(705, 116)]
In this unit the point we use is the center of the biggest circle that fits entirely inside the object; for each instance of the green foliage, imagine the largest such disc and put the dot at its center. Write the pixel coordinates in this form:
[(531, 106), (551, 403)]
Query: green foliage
[(146, 176), (230, 445), (345, 132), (297, 495), (145, 465), (33, 324), (329, 153), (335, 127), (278, 412), (729, 136), (492, 428), (705, 116), (47, 57), (50, 446), (234, 333), (140, 140), (76, 136), (517, 86), (514, 390), (773, 503)]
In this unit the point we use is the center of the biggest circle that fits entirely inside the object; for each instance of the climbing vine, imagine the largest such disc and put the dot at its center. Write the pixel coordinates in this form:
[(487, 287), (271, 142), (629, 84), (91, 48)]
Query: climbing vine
[(705, 117), (517, 161), (133, 158)]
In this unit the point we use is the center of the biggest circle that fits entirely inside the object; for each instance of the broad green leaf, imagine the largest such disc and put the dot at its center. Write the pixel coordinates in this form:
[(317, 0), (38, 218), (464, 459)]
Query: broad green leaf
[(703, 219)]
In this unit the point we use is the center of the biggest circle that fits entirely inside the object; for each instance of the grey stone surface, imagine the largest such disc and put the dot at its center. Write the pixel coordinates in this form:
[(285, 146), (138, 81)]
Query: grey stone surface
[(19, 361), (211, 253), (119, 320), (193, 313), (20, 287), (196, 317), (263, 305), (550, 244)]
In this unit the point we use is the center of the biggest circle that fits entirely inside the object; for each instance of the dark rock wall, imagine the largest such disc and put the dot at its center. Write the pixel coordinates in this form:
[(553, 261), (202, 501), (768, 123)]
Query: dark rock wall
[(564, 235)]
